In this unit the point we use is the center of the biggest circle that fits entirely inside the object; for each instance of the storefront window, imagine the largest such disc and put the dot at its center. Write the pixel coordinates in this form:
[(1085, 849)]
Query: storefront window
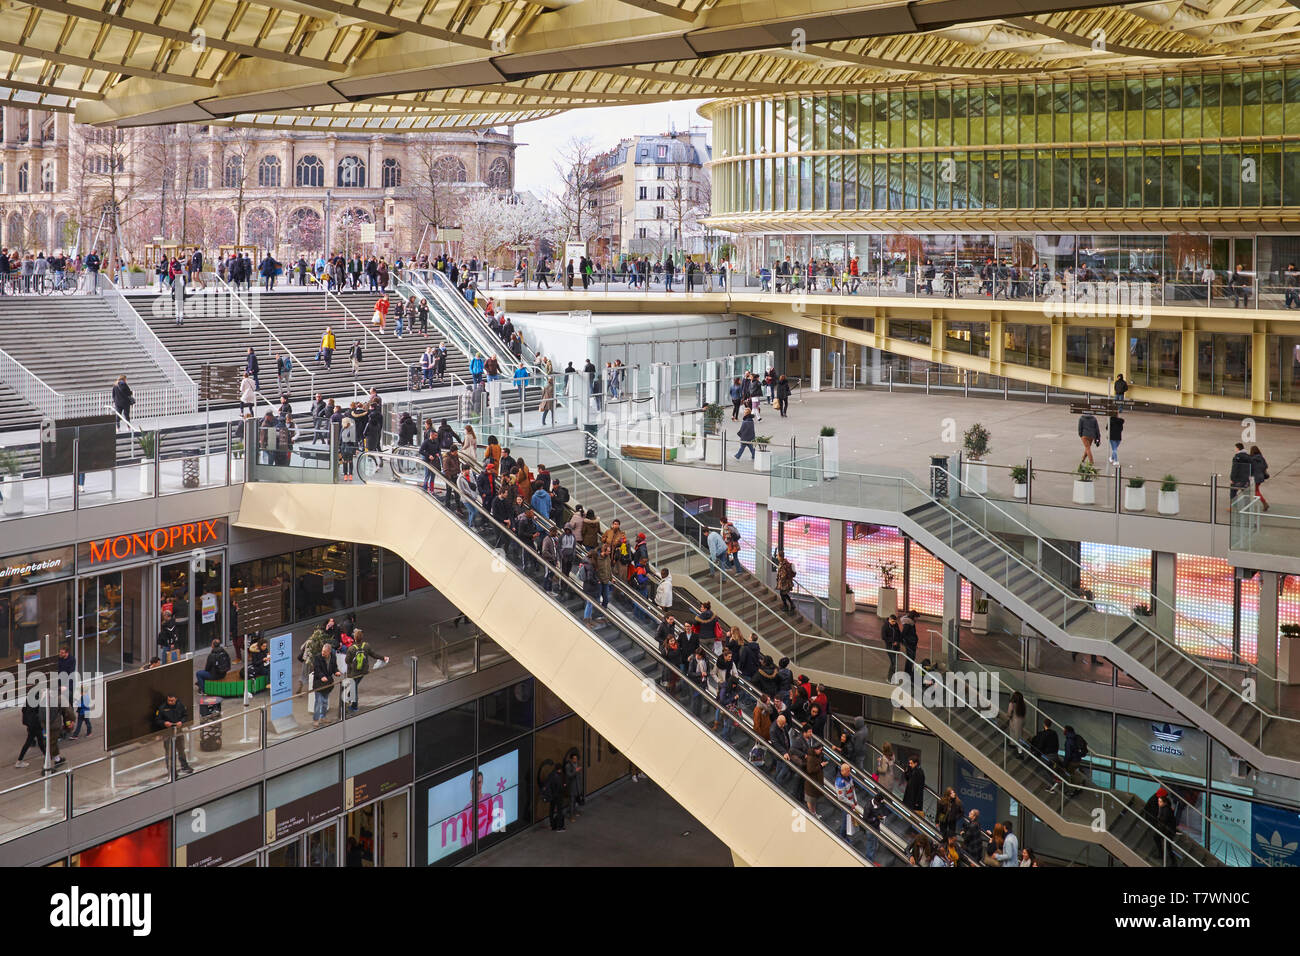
[(505, 714), (367, 574), (445, 738), (275, 571), (34, 622), (324, 579)]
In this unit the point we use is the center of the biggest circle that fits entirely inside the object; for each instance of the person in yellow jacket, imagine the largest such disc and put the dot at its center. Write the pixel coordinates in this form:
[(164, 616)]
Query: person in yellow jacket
[(327, 346)]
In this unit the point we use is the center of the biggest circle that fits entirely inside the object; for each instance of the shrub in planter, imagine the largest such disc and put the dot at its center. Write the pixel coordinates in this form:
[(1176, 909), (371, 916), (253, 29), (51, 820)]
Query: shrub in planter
[(1020, 481), (712, 418), (975, 444), (1135, 495), (827, 432), (830, 452), (1167, 500), (1142, 610), (1085, 489), (762, 455), (979, 616)]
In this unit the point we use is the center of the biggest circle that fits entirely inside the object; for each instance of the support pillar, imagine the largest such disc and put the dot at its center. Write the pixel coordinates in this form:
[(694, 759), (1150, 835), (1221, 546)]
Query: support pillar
[(1266, 635), (763, 545), (837, 546), (944, 648), (1163, 571)]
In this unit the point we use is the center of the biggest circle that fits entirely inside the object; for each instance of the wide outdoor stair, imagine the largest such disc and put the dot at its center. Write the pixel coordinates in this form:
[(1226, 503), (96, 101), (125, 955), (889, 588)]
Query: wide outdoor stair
[(15, 412), (74, 343), (1171, 673), (298, 319)]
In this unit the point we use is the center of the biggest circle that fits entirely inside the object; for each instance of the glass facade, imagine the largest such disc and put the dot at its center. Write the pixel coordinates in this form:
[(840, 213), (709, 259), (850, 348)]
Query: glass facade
[(1208, 139)]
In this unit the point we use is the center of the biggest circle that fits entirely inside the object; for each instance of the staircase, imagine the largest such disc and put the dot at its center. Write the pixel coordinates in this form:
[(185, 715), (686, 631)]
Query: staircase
[(602, 674), (1184, 683)]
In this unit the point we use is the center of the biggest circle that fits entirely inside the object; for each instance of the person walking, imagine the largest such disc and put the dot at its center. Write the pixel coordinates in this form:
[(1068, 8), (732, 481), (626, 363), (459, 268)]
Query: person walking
[(1121, 389), (250, 366), (783, 395), (1115, 432), (785, 574), (171, 716), (123, 399), (324, 674), (1239, 471), (1259, 473), (1089, 435), (746, 436), (553, 794), (327, 345), (359, 655)]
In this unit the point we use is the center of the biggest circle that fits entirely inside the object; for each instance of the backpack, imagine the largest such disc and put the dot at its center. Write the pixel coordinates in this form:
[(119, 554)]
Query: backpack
[(567, 543), (1082, 745), (359, 657), (718, 633)]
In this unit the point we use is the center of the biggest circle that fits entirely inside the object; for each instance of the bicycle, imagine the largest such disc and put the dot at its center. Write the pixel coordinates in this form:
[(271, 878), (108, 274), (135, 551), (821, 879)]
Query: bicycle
[(59, 282)]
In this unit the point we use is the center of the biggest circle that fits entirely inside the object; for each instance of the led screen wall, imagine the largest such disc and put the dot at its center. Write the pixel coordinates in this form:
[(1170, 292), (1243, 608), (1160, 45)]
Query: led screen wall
[(1119, 578), (1204, 608), (807, 547)]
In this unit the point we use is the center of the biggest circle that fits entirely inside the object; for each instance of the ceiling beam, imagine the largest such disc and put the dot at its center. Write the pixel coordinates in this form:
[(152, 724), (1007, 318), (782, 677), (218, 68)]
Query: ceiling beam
[(186, 37), (592, 35), (393, 24), (106, 66), (1043, 29)]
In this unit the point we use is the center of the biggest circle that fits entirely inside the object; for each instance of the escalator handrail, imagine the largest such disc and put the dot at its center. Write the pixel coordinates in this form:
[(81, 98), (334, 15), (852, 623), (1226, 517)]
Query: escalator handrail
[(655, 613), (635, 634)]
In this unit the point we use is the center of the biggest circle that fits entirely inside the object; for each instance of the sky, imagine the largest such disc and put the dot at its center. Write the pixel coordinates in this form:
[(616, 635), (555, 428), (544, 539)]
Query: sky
[(545, 138)]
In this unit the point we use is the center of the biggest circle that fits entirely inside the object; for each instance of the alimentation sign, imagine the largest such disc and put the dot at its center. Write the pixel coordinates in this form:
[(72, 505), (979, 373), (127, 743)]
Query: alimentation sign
[(155, 541)]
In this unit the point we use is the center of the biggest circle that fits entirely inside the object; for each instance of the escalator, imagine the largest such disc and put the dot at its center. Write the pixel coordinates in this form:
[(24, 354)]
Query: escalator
[(605, 674), (1114, 819)]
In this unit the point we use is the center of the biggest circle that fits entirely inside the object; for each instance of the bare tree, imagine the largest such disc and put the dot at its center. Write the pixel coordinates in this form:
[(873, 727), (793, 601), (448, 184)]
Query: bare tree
[(576, 200), (687, 203), (235, 153)]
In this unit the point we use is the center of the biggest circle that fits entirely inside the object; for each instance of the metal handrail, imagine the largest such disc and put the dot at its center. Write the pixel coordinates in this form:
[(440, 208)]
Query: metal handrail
[(153, 346), (614, 616), (438, 284), (1133, 768), (1066, 594), (29, 386), (254, 318), (349, 314)]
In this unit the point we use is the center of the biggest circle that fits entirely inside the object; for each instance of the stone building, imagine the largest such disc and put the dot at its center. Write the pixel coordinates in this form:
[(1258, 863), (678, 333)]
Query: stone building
[(289, 192)]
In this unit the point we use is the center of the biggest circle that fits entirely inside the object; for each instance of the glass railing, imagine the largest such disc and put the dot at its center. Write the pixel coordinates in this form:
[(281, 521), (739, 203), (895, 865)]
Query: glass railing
[(74, 476), (618, 617), (254, 725), (967, 518)]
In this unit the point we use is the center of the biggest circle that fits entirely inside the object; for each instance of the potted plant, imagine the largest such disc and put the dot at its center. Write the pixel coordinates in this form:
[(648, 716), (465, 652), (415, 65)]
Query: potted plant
[(11, 471), (1167, 499), (1135, 495), (887, 597), (148, 443), (975, 444), (692, 447), (1142, 610), (712, 426), (762, 457), (979, 615), (850, 602), (1020, 481), (830, 452), (1288, 654), (1085, 492)]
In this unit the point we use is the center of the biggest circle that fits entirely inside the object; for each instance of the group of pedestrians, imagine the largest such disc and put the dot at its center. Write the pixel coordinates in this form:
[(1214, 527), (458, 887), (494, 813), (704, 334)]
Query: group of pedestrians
[(336, 655)]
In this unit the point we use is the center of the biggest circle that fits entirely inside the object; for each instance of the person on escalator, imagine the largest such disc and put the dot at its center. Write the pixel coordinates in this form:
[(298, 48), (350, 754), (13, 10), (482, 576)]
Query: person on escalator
[(784, 678), (1076, 749), (429, 454), (1045, 743), (766, 678), (750, 658), (907, 636)]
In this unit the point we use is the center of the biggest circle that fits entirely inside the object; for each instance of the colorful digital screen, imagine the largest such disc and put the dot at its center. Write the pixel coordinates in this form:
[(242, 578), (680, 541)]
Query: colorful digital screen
[(1203, 609), (807, 546), (1119, 578), (148, 846), (483, 802)]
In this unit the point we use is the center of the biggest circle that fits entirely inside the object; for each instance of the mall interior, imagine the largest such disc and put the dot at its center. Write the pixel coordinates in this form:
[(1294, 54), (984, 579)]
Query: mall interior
[(1024, 375)]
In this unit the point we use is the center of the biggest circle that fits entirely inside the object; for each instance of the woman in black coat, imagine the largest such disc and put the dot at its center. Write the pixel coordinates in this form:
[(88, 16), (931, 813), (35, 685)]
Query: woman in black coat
[(1259, 472), (122, 398)]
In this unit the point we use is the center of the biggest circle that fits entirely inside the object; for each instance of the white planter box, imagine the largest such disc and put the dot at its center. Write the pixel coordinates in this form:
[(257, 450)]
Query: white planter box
[(1288, 660), (1085, 492), (763, 461), (1135, 499), (979, 623), (146, 477), (1020, 490), (830, 456), (1167, 502), (692, 452), (14, 492), (886, 602), (713, 450), (976, 477), (850, 602)]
